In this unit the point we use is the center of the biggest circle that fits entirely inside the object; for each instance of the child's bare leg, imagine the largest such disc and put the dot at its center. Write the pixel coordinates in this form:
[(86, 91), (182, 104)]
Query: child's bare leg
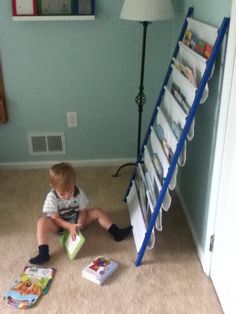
[(98, 214), (106, 222), (44, 226)]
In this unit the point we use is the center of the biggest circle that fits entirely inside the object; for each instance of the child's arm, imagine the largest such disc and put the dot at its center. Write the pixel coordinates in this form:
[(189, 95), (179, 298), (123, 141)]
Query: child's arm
[(72, 228), (81, 218)]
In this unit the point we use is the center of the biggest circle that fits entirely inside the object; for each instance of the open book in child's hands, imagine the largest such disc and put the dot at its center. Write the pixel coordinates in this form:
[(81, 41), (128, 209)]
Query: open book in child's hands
[(72, 246), (99, 270)]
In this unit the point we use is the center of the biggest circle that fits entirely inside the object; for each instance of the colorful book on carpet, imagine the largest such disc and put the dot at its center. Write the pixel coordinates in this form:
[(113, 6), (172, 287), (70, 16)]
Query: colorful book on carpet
[(100, 269), (33, 282)]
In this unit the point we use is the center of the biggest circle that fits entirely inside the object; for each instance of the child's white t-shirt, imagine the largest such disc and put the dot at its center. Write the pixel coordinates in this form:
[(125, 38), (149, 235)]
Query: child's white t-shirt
[(67, 209)]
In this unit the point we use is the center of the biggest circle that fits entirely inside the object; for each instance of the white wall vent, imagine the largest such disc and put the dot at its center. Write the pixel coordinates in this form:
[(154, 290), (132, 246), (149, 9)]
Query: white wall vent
[(46, 143)]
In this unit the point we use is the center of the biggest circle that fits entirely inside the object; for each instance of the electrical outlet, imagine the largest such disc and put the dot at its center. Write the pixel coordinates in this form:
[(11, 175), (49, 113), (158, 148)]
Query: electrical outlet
[(72, 120)]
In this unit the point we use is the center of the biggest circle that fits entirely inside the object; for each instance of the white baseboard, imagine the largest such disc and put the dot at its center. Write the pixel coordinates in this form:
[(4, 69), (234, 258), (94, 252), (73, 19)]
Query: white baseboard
[(199, 249), (75, 163)]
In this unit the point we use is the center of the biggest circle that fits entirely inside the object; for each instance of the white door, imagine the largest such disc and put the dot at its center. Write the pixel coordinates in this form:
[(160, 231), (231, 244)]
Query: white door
[(223, 266), (223, 263)]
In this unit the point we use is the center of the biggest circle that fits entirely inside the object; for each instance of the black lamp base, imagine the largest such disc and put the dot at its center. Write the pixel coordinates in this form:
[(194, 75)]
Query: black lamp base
[(123, 166)]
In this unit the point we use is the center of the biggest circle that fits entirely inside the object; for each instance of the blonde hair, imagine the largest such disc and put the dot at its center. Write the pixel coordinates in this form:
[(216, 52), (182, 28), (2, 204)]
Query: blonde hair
[(62, 176)]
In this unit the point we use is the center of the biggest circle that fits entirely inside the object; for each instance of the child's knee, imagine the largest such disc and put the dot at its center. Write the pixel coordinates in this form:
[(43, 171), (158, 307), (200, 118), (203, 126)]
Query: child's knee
[(99, 212), (93, 214), (42, 222)]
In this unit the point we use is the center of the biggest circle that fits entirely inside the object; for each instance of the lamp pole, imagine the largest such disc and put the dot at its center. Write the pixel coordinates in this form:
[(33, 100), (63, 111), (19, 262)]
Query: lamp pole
[(141, 98)]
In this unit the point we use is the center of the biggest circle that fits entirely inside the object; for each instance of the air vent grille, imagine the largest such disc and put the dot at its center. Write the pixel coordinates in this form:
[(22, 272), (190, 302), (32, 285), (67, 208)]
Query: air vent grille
[(46, 143)]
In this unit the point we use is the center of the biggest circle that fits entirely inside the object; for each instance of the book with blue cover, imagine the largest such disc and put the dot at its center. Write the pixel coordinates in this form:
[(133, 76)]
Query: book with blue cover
[(84, 7)]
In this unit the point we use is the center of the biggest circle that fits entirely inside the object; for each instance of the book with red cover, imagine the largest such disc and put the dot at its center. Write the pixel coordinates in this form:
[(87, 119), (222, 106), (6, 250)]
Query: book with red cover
[(24, 7)]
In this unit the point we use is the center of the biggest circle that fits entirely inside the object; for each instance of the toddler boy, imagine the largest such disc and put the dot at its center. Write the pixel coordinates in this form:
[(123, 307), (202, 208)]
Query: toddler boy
[(65, 207)]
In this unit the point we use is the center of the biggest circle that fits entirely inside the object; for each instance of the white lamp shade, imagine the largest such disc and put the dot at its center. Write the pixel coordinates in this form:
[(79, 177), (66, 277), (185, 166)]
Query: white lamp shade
[(147, 10)]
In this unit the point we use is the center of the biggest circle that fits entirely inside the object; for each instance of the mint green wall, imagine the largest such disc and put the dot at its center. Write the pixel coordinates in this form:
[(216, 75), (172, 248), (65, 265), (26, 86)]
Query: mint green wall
[(91, 67), (211, 12), (195, 177)]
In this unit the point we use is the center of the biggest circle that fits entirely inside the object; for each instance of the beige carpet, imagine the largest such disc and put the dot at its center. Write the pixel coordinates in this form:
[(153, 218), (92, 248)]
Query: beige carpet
[(170, 280)]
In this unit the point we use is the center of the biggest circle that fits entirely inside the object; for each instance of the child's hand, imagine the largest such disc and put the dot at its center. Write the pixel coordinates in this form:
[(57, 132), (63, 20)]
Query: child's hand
[(73, 230), (80, 225)]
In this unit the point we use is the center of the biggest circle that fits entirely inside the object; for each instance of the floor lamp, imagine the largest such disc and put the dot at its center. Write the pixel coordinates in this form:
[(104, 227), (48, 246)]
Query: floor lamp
[(144, 12)]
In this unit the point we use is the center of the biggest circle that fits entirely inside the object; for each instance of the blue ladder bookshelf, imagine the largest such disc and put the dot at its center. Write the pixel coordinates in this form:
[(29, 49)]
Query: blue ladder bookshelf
[(201, 88)]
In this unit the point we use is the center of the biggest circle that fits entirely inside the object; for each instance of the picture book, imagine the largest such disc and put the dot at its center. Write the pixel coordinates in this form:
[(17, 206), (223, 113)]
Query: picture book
[(207, 51), (72, 247), (179, 97), (141, 191), (185, 70), (24, 7), (100, 269), (193, 41), (33, 282), (197, 44), (176, 128), (85, 7), (187, 37), (55, 7), (200, 46), (158, 166)]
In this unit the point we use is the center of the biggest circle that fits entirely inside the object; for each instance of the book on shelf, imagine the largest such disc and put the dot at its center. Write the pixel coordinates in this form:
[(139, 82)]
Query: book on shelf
[(33, 282), (193, 41), (84, 7), (55, 7), (100, 269), (141, 191), (176, 128), (200, 46), (158, 166), (167, 149), (179, 97), (186, 71), (24, 7), (207, 51), (72, 247), (197, 44), (187, 38)]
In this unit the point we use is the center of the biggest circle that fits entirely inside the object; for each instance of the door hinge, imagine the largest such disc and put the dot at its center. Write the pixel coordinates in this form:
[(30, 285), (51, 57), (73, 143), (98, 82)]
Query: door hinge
[(212, 239)]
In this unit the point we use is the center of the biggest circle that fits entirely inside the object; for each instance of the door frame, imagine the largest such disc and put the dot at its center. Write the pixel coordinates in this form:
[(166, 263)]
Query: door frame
[(220, 140)]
